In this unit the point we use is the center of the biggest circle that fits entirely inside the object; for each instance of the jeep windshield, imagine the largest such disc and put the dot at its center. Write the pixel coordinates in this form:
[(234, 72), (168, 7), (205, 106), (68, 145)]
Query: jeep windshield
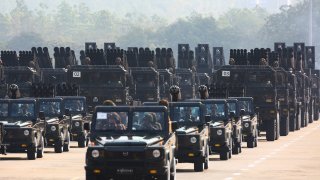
[(74, 105), (4, 110), (50, 108), (111, 121), (216, 111), (186, 114), (23, 110), (147, 121), (246, 106)]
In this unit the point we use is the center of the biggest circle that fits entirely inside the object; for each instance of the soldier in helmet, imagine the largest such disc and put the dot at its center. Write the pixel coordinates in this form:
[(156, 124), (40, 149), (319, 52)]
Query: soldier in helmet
[(232, 61), (109, 103)]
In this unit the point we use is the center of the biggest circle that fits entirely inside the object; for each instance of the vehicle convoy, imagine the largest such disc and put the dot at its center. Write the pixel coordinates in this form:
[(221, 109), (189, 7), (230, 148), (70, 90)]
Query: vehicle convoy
[(192, 134), (56, 125), (243, 110), (22, 129), (78, 119), (131, 143)]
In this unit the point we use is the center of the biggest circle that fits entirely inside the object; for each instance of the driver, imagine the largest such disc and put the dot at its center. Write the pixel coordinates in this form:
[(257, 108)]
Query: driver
[(147, 122), (25, 110), (188, 115)]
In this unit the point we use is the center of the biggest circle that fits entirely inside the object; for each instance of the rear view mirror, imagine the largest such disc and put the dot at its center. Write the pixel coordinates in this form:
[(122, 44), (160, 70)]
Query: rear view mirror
[(242, 112), (232, 114), (174, 125), (67, 112), (86, 126), (207, 118), (41, 115)]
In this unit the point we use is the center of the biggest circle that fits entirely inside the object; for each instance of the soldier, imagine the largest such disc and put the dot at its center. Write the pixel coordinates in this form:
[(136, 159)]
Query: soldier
[(25, 111), (232, 61), (87, 61), (148, 123), (263, 62), (109, 103), (188, 115)]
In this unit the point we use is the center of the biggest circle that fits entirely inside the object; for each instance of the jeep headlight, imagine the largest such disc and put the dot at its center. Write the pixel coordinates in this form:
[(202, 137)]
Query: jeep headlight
[(26, 132), (219, 132), (246, 125), (77, 124), (156, 153), (193, 140), (95, 153), (269, 100), (53, 128)]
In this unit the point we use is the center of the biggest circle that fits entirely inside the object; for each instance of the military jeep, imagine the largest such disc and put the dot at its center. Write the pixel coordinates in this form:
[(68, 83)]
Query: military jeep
[(245, 112), (22, 129), (79, 120), (131, 143), (220, 128), (192, 134), (236, 125), (56, 125)]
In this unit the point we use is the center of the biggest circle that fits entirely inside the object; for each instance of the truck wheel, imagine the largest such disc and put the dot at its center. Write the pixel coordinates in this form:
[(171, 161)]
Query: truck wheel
[(224, 155), (271, 130), (32, 151), (198, 166), (173, 170), (40, 149), (292, 124), (284, 127), (66, 144)]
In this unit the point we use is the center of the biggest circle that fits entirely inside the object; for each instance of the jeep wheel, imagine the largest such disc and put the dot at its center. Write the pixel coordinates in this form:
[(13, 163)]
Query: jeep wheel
[(40, 149), (58, 146), (224, 155), (206, 161), (173, 170), (166, 175), (32, 151), (284, 127), (82, 141), (66, 144), (250, 142), (236, 148)]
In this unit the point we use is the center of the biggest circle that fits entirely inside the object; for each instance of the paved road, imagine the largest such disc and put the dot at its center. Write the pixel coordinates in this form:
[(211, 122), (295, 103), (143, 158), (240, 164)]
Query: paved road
[(292, 157)]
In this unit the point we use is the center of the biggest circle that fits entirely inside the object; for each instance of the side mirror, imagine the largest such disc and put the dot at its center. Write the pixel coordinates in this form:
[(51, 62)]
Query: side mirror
[(242, 112), (174, 125), (207, 118), (67, 112), (232, 114), (86, 126), (41, 115)]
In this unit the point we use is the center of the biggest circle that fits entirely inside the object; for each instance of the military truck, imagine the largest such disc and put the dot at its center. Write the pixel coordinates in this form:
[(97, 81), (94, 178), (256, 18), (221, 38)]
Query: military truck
[(56, 125), (100, 82), (254, 81), (243, 109), (23, 131), (131, 143), (192, 134), (78, 118), (185, 80), (145, 84)]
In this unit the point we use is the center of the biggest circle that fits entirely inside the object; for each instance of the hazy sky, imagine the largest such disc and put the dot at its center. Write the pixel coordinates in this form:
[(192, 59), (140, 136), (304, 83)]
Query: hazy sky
[(168, 9)]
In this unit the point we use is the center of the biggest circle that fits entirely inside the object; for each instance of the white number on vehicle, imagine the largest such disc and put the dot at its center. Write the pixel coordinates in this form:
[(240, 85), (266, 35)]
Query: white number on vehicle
[(226, 73), (76, 74)]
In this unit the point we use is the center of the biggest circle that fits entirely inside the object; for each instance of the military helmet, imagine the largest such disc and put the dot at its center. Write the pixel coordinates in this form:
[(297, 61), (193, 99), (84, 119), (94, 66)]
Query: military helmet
[(202, 88), (13, 87), (174, 89), (109, 103), (164, 102)]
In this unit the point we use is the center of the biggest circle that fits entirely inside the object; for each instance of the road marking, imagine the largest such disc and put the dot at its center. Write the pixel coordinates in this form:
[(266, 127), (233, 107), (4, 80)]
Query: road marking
[(228, 178), (244, 169), (236, 174), (251, 166)]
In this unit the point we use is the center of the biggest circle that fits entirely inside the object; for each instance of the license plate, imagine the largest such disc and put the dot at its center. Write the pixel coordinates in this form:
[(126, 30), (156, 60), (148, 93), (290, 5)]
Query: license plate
[(124, 171)]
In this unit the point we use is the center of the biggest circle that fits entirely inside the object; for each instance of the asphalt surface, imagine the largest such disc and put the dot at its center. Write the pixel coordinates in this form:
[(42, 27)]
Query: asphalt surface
[(295, 156)]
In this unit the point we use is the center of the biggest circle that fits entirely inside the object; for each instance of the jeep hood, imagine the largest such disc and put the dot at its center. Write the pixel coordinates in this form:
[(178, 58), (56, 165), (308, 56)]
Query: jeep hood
[(187, 130), (217, 124), (18, 124), (130, 140)]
